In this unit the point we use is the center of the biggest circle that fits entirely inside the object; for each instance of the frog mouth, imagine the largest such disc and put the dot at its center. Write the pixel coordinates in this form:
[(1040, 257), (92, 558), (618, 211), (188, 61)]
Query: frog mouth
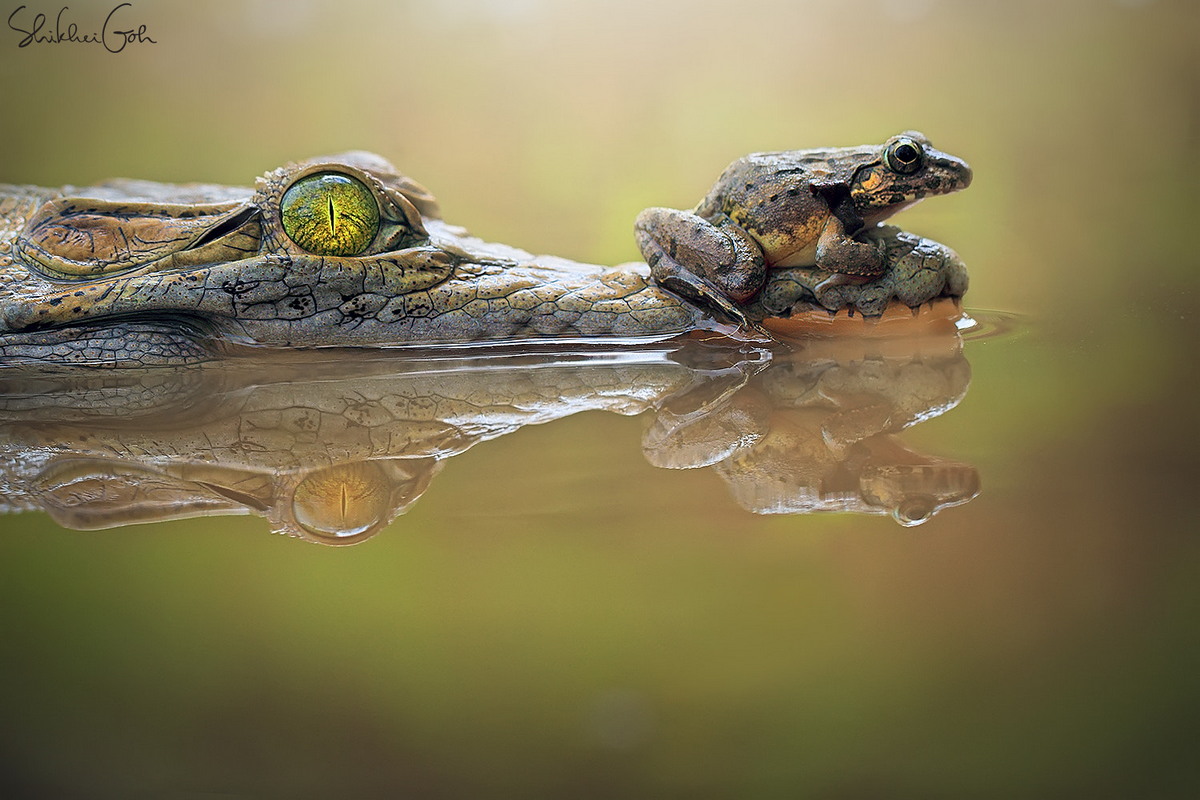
[(955, 174)]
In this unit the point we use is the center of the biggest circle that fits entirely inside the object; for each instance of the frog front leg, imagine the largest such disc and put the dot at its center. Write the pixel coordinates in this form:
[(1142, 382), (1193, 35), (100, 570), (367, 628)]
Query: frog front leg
[(713, 263), (849, 260)]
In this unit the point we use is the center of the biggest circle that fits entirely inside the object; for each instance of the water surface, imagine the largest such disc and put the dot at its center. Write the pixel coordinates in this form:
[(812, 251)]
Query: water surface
[(692, 591)]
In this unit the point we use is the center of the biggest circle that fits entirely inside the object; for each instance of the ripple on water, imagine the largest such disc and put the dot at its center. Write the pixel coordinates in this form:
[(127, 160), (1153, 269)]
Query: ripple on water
[(977, 325)]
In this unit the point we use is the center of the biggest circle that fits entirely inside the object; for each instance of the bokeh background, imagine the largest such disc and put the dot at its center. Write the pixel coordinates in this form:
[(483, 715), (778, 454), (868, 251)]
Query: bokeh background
[(557, 618)]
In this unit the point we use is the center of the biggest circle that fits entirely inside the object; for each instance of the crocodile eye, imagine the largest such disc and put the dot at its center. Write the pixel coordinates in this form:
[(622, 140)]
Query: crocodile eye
[(904, 156), (330, 214)]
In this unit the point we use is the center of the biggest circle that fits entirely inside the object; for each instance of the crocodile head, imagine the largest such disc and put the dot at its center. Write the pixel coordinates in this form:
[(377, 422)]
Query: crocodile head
[(335, 251)]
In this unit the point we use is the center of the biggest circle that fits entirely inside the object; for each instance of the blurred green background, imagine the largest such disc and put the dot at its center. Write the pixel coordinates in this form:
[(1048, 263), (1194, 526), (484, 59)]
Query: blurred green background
[(556, 617)]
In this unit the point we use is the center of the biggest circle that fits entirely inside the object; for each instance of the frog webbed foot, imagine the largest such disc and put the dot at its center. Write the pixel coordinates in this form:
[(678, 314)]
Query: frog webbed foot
[(712, 263)]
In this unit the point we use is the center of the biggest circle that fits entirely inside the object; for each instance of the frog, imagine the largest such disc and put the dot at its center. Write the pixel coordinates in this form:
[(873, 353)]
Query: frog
[(794, 208)]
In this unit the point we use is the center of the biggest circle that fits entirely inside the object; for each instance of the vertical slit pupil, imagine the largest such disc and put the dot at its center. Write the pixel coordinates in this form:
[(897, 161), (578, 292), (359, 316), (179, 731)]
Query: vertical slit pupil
[(350, 214)]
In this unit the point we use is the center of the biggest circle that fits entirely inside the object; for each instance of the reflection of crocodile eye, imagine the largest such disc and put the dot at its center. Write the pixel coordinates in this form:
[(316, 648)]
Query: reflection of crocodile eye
[(914, 510), (904, 156), (342, 503), (330, 214)]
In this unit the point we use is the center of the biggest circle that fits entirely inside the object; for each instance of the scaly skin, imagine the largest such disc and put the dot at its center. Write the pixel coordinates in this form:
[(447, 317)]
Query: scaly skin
[(446, 288)]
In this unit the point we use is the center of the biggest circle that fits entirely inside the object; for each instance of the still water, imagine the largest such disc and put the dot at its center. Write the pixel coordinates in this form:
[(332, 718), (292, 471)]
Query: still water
[(673, 568)]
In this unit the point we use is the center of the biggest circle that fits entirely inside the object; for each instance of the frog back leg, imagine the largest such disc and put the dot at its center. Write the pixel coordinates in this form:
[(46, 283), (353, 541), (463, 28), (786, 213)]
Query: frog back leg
[(712, 262)]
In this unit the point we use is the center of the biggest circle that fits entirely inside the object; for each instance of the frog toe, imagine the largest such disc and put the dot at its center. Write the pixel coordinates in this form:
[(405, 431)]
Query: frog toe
[(838, 279), (702, 294)]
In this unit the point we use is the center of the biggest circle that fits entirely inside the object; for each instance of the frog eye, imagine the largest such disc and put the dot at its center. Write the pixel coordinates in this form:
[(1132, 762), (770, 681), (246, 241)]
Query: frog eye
[(904, 156), (330, 214)]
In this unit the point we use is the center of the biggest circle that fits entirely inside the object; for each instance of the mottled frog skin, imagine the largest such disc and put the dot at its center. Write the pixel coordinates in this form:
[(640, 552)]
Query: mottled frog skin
[(799, 208)]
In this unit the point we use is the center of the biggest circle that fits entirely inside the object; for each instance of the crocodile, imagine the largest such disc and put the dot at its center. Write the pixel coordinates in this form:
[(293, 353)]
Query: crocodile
[(345, 251)]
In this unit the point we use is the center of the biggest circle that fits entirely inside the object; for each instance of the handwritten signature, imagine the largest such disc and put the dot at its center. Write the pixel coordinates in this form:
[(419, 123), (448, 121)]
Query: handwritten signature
[(112, 39)]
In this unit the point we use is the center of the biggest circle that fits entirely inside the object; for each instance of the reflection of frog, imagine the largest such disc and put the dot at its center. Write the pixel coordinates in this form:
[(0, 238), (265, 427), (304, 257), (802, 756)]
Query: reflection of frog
[(792, 209), (817, 431)]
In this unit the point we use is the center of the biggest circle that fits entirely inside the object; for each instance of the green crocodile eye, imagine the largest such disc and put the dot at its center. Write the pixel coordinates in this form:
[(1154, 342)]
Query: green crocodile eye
[(330, 214), (904, 156)]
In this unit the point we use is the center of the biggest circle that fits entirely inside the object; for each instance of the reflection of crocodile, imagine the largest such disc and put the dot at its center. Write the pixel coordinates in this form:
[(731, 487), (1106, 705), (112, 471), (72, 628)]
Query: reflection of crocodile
[(331, 451), (341, 251)]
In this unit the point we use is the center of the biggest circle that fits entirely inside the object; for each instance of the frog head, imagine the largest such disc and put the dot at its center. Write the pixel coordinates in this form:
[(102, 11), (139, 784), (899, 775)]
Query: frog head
[(906, 169)]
